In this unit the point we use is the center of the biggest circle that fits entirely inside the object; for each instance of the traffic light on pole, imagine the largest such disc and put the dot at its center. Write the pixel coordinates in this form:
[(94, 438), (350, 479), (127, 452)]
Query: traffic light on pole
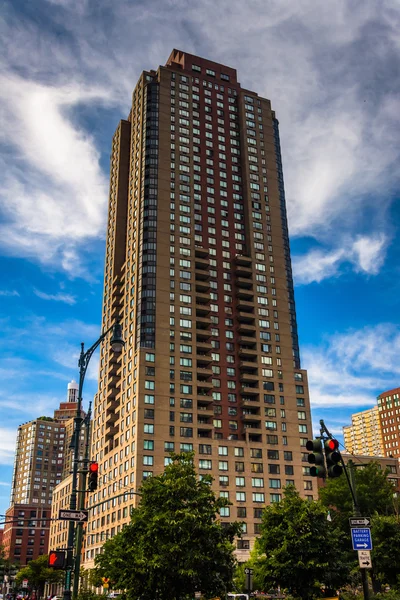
[(93, 476), (333, 457), (56, 559), (316, 458)]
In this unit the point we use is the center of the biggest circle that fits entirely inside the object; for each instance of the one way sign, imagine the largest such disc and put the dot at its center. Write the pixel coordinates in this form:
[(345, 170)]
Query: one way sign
[(73, 515), (364, 559)]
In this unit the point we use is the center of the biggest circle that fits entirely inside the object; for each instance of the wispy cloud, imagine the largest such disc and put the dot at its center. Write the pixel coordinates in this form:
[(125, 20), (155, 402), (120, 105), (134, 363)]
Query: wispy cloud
[(350, 369), (9, 293), (365, 255), (59, 297), (7, 445), (334, 91)]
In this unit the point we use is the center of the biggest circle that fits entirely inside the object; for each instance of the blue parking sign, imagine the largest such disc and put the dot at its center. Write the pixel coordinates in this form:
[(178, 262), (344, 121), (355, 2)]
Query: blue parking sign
[(361, 539)]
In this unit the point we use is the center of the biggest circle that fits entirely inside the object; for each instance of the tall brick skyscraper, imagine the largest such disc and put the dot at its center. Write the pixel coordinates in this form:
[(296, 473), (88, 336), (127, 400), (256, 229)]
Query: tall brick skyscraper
[(198, 269)]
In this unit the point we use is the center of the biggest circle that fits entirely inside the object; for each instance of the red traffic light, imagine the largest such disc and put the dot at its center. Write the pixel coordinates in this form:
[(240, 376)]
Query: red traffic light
[(332, 444), (56, 559), (94, 467)]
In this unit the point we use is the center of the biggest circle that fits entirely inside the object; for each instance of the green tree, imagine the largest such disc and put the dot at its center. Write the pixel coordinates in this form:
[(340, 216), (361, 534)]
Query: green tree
[(385, 532), (298, 548), (175, 544), (37, 573), (374, 493), (375, 500)]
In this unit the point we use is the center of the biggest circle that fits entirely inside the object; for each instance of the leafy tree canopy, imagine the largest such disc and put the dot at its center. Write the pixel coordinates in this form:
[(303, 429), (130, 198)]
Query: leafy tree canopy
[(385, 532), (37, 573), (299, 548), (374, 492), (175, 544)]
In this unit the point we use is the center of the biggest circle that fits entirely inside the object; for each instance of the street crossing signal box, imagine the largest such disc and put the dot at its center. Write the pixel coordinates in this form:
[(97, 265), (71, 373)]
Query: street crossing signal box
[(57, 559)]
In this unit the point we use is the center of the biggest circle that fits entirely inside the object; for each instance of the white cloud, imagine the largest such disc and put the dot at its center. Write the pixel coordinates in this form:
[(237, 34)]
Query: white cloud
[(54, 193), (351, 369), (335, 95), (7, 445), (366, 254), (9, 293), (59, 297)]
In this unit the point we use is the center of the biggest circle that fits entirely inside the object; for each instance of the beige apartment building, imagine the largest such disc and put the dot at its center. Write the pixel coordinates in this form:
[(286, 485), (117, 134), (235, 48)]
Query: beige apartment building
[(42, 459), (364, 435), (198, 269)]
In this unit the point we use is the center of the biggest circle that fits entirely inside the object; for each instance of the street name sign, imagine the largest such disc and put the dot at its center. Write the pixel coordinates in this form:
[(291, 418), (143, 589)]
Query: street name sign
[(73, 515), (364, 559), (360, 522), (248, 571), (361, 539)]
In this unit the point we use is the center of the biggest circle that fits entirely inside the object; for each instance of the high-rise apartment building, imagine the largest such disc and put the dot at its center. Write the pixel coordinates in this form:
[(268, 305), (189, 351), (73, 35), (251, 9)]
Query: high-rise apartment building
[(364, 435), (41, 461), (389, 415), (198, 270)]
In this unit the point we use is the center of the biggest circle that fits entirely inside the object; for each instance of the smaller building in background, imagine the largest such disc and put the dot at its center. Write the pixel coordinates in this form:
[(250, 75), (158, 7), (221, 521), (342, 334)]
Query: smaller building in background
[(58, 528), (387, 462), (364, 435), (389, 416), (43, 458)]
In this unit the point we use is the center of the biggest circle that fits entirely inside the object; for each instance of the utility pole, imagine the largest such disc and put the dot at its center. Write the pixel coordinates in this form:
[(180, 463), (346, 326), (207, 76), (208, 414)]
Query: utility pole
[(351, 479)]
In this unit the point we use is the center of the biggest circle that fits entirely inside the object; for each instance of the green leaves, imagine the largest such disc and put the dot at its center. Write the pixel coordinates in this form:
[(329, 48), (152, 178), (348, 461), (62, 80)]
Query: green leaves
[(298, 548), (37, 573), (175, 544)]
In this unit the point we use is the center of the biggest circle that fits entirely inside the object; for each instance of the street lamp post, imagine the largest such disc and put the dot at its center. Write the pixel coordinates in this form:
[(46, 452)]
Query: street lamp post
[(117, 343)]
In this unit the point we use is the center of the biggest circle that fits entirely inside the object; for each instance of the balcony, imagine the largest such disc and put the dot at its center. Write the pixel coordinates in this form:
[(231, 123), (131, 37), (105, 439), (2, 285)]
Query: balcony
[(204, 433), (248, 351), (202, 285), (243, 271), (246, 339), (253, 437), (203, 321), (202, 334), (112, 393), (112, 404), (245, 300), (246, 328), (203, 346), (201, 263), (203, 385), (249, 366), (249, 402), (205, 410), (113, 368), (202, 360), (202, 297), (241, 282), (249, 390), (202, 310), (200, 251), (251, 416), (249, 377), (243, 260), (203, 372), (111, 418), (245, 317), (201, 275), (111, 430), (204, 420), (252, 425), (204, 399)]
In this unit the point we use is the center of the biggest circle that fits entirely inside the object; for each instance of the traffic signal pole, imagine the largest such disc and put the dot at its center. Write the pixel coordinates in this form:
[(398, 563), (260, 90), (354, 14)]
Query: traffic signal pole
[(349, 471), (82, 505), (351, 479)]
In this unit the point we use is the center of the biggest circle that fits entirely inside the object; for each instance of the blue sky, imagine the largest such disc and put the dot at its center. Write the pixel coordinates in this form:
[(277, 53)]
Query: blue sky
[(67, 71)]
